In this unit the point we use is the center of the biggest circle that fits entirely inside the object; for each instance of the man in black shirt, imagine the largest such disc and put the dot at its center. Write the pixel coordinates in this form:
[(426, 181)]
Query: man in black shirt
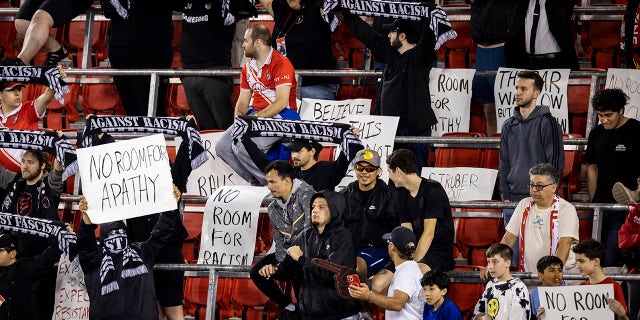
[(320, 175)]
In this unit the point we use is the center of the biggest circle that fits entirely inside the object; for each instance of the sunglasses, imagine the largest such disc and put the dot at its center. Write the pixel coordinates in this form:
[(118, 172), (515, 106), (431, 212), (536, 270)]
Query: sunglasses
[(539, 187), (369, 169)]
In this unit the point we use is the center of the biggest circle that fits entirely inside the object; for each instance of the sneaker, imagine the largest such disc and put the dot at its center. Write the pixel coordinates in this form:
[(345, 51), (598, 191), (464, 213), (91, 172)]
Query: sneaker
[(624, 195), (12, 62), (286, 314), (54, 57)]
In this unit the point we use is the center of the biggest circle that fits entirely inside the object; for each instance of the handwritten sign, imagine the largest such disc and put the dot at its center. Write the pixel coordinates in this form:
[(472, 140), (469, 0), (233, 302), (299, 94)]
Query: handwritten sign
[(553, 95), (330, 110), (451, 99), (628, 80), (377, 133), (214, 173), (462, 183), (72, 299), (587, 302), (230, 225), (126, 179)]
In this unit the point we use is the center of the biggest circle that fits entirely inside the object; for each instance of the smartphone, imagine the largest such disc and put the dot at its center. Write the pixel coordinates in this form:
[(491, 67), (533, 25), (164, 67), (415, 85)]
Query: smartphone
[(353, 279)]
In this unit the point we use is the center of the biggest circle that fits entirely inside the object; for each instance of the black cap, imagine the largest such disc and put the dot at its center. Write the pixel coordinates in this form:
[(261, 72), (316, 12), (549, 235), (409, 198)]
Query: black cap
[(412, 29), (8, 241), (298, 144), (108, 226), (400, 237)]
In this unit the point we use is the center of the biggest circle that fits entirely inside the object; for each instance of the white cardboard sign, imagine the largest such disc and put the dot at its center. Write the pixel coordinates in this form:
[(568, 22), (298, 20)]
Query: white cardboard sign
[(451, 99), (462, 183), (584, 302), (72, 299), (330, 110), (628, 80)]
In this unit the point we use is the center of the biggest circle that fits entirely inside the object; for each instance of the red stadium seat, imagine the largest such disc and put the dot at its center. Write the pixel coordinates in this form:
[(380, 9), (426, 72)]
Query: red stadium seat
[(60, 116), (475, 235), (465, 295), (7, 39), (570, 179), (101, 98), (247, 296), (491, 157), (73, 35), (195, 297), (175, 44), (459, 52), (177, 102), (585, 226), (600, 40), (192, 221), (447, 157)]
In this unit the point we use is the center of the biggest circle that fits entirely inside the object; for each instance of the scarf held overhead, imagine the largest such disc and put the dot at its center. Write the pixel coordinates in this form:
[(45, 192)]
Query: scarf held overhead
[(42, 228), (46, 76), (186, 129), (338, 133), (49, 142), (400, 10)]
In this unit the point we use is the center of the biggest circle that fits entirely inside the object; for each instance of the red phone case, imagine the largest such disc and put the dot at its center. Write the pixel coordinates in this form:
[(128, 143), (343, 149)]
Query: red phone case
[(353, 279)]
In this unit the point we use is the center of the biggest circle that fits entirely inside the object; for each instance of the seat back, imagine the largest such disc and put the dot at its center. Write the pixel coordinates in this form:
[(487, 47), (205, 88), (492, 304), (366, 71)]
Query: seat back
[(459, 52), (101, 98), (447, 157), (474, 235), (465, 295), (177, 102)]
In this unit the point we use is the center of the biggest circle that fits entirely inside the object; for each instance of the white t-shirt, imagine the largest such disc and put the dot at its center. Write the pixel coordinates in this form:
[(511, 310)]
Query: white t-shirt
[(537, 238), (508, 300), (407, 279)]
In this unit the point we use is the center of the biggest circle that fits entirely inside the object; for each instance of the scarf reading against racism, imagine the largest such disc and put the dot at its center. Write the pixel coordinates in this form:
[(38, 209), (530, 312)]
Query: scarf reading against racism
[(48, 76), (46, 141), (165, 125), (396, 9), (42, 228), (338, 133), (115, 243)]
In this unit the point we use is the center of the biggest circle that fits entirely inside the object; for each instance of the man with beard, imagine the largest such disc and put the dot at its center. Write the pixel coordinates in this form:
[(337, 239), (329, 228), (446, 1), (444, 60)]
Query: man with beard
[(267, 77)]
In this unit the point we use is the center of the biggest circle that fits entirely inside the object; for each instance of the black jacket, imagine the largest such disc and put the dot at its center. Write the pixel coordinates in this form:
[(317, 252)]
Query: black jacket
[(136, 297), (18, 282), (405, 79), (319, 298), (368, 221), (490, 21)]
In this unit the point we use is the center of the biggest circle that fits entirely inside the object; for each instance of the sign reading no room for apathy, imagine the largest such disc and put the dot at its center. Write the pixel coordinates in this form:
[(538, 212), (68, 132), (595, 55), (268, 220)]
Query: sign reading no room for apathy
[(126, 179), (451, 99), (230, 225), (577, 302)]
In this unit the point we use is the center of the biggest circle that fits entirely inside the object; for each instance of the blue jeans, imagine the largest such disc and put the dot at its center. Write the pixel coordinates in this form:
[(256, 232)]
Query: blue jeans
[(420, 150), (319, 91), (612, 221)]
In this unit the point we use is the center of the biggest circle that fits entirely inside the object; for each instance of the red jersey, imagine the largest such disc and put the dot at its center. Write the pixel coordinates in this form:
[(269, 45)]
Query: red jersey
[(277, 71), (24, 117), (617, 290)]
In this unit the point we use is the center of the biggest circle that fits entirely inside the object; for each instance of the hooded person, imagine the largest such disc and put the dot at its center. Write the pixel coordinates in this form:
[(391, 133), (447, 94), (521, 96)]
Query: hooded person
[(119, 274), (326, 239)]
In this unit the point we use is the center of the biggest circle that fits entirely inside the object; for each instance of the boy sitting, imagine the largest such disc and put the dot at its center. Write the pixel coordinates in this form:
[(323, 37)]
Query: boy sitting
[(589, 254), (550, 275), (435, 285), (505, 297)]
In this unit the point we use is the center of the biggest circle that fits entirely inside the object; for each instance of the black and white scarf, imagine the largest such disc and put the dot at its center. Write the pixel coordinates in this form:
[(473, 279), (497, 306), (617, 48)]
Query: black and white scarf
[(47, 76), (165, 125), (47, 141), (42, 228), (338, 133), (440, 24), (132, 264)]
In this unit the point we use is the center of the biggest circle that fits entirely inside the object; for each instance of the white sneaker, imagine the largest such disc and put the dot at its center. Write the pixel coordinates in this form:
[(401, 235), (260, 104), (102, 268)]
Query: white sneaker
[(624, 195)]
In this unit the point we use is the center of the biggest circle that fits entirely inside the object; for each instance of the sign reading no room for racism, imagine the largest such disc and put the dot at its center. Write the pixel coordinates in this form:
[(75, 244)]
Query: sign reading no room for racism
[(628, 81), (126, 179), (577, 302), (553, 95), (230, 224), (451, 99)]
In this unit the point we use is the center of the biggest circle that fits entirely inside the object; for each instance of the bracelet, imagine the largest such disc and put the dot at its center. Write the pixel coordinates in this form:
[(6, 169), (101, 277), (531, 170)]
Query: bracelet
[(370, 294)]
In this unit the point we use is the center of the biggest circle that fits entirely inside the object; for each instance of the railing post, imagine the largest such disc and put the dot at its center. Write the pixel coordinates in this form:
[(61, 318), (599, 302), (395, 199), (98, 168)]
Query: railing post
[(597, 223), (211, 294), (88, 37), (153, 94)]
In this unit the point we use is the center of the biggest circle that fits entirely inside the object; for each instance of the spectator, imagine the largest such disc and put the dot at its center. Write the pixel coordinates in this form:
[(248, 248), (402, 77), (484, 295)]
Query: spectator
[(531, 136), (490, 23), (326, 239), (589, 254), (612, 152), (290, 215), (206, 44), (372, 213), (296, 22), (319, 174), (20, 116), (33, 21), (119, 275), (269, 79), (541, 36), (139, 37), (550, 275), (435, 284), (404, 299), (505, 297), (543, 224), (19, 276), (629, 243), (624, 195), (408, 53)]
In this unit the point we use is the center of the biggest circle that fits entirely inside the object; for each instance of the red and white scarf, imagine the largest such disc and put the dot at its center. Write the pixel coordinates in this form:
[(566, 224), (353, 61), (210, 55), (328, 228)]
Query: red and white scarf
[(553, 230)]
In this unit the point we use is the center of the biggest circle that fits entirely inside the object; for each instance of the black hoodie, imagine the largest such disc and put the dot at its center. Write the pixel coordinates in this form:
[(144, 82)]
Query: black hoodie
[(319, 298)]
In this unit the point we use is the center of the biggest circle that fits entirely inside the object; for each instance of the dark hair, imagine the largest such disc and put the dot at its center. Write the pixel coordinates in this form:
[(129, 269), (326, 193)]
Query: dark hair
[(43, 158), (407, 252), (436, 277), (545, 169), (537, 79), (262, 33), (298, 145), (609, 100), (501, 249), (283, 168), (403, 159), (590, 248), (548, 261)]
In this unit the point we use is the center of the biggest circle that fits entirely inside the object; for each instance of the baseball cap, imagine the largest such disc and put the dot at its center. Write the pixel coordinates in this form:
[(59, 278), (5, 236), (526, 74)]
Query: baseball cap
[(369, 156), (411, 28), (298, 144), (400, 237), (8, 241), (6, 86)]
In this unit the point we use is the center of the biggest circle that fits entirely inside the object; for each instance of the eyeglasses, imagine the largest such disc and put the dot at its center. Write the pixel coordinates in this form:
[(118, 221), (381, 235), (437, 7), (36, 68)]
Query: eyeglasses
[(539, 187), (369, 169)]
